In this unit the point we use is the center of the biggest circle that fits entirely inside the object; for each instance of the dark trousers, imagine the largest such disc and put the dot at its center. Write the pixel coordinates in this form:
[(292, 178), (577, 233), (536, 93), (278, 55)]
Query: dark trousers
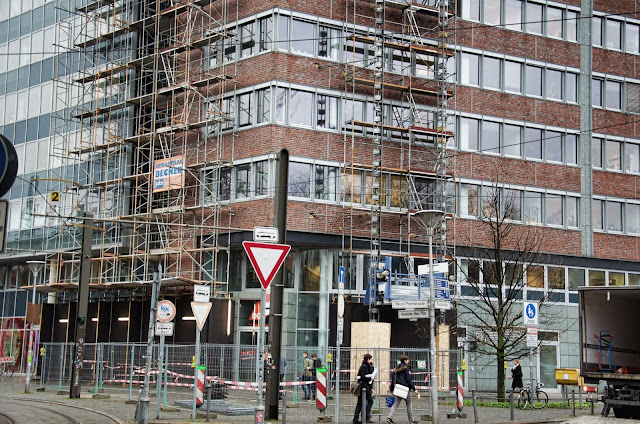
[(356, 415), (307, 387)]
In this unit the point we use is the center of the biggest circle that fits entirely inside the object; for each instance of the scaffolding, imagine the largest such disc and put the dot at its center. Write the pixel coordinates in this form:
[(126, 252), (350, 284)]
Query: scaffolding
[(401, 61), (137, 133)]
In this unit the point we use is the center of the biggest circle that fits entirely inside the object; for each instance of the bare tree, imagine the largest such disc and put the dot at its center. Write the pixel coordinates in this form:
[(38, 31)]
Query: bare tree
[(504, 253)]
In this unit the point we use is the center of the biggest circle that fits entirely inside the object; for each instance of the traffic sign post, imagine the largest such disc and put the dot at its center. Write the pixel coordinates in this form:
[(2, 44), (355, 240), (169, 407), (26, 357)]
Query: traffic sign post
[(531, 315), (201, 313), (164, 327), (340, 332)]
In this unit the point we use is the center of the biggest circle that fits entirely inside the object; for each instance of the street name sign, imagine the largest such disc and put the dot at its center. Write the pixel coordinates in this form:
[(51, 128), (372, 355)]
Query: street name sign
[(265, 234), (409, 304), (164, 328), (413, 313), (201, 293)]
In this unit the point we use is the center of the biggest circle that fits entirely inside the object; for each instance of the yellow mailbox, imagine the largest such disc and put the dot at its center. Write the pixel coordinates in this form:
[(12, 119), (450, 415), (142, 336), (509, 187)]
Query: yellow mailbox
[(568, 376)]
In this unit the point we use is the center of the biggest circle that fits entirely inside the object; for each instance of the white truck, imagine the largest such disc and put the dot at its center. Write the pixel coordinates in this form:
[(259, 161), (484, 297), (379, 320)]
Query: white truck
[(610, 346)]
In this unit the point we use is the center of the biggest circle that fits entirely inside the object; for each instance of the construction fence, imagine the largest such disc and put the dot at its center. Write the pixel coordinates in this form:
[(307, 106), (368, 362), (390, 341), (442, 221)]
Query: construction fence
[(231, 370)]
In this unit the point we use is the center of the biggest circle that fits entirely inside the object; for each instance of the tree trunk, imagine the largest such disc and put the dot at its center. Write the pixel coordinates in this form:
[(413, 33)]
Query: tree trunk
[(501, 376)]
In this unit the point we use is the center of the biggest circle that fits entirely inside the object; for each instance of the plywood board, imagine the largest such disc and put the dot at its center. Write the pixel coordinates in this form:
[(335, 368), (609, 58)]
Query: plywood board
[(442, 357), (373, 338)]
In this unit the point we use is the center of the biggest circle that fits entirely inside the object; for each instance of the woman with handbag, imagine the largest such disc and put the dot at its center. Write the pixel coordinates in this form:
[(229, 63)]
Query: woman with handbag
[(401, 387)]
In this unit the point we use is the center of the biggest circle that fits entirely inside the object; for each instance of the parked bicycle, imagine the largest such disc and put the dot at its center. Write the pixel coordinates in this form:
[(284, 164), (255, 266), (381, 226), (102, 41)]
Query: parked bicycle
[(537, 400), (7, 369)]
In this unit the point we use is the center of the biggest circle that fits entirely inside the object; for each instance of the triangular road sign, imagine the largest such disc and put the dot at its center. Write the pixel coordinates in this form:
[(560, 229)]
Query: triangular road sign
[(266, 258), (201, 312)]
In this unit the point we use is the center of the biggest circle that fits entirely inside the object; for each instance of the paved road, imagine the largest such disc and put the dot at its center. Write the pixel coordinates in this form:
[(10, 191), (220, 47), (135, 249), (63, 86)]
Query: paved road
[(28, 411), (305, 412)]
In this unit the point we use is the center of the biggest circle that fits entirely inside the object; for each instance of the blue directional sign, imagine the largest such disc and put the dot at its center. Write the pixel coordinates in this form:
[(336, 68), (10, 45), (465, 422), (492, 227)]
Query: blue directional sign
[(441, 289)]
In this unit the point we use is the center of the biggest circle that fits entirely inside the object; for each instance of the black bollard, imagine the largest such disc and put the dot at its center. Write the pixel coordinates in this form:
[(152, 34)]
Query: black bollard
[(573, 402), (208, 389), (511, 415), (475, 407), (364, 404)]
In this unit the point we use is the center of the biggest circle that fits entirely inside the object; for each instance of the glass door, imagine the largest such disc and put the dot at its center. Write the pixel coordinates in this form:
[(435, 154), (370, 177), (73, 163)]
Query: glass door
[(548, 360)]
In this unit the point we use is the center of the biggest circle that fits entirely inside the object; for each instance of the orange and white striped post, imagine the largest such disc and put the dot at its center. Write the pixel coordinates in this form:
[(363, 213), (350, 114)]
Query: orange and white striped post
[(200, 394), (460, 390)]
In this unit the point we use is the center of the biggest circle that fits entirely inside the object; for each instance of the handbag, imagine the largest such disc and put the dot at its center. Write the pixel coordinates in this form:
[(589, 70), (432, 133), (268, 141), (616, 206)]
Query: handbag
[(355, 388), (401, 391)]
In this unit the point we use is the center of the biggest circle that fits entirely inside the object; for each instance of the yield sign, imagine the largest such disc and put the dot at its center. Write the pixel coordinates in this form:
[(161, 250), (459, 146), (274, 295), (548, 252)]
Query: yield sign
[(266, 258), (201, 312)]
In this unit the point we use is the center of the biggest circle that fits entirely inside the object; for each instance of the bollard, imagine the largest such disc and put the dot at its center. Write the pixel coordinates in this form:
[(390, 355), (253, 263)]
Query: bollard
[(284, 407), (591, 407), (208, 389), (60, 392), (475, 406), (133, 348), (573, 402), (511, 416), (363, 412), (96, 377)]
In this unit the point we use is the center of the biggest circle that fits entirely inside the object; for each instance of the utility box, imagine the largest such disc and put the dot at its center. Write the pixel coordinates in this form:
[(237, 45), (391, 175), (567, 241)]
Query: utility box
[(568, 376)]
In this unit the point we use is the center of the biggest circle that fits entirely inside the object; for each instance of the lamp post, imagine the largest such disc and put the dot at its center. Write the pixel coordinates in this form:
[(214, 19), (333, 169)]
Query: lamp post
[(430, 220), (35, 267)]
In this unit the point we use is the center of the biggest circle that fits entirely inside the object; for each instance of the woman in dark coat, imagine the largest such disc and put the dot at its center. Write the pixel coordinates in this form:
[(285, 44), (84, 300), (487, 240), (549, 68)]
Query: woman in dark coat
[(516, 375), (365, 378), (403, 377)]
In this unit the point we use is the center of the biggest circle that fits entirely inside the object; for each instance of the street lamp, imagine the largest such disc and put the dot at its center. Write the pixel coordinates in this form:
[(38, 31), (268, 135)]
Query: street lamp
[(35, 267), (430, 220)]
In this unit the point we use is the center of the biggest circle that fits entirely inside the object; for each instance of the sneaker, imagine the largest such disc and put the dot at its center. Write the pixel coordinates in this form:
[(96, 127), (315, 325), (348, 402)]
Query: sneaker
[(389, 420)]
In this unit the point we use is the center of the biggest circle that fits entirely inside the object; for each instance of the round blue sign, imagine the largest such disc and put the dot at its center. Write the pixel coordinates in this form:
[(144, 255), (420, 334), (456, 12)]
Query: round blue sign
[(531, 311)]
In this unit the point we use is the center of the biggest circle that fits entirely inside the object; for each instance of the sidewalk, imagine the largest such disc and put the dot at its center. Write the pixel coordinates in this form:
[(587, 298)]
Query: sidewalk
[(305, 412)]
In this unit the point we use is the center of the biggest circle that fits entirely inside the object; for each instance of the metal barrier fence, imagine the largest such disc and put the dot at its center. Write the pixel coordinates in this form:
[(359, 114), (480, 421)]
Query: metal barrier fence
[(232, 371)]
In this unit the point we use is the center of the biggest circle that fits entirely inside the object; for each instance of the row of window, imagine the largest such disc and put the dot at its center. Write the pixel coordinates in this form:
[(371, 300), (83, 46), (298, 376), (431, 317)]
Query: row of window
[(537, 80), (548, 277), (554, 21), (29, 21), (551, 145)]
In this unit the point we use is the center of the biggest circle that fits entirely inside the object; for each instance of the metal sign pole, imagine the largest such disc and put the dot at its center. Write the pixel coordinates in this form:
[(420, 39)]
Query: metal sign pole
[(159, 376), (340, 323), (259, 416)]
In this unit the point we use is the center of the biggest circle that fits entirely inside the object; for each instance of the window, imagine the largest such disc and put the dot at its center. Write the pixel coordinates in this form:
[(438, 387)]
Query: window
[(633, 218), (242, 181), (247, 39), (554, 84), (512, 204), (613, 155), (513, 14), (555, 277), (634, 279), (576, 278), (399, 191), (266, 33), (468, 200), (554, 209), (244, 109), (376, 197), (299, 180), (327, 112), (553, 146), (351, 186), (325, 182), (329, 42), (572, 211), (353, 110), (554, 22), (571, 85), (614, 34), (533, 207), (596, 278), (616, 278), (491, 72), (533, 143), (490, 137), (613, 94), (533, 80), (596, 213), (468, 134), (535, 276), (225, 184), (300, 107), (471, 10), (596, 31), (469, 66), (263, 113), (512, 140), (572, 25), (261, 177), (534, 18), (632, 37), (513, 76), (571, 148), (632, 157), (491, 12), (614, 216), (596, 152), (302, 37), (596, 92), (281, 104)]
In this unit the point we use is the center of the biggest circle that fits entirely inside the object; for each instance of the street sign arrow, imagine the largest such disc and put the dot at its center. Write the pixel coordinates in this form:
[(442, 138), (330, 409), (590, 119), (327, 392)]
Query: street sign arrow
[(201, 312), (266, 258)]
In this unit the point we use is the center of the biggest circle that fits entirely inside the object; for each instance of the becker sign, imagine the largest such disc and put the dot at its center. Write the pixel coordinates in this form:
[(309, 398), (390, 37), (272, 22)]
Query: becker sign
[(168, 174)]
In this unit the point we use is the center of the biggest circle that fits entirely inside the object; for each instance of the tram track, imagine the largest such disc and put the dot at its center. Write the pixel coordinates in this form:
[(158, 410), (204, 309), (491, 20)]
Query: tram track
[(25, 408)]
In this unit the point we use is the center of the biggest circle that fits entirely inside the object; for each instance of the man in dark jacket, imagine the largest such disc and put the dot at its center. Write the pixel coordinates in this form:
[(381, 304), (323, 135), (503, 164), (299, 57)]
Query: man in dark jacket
[(366, 375), (403, 377)]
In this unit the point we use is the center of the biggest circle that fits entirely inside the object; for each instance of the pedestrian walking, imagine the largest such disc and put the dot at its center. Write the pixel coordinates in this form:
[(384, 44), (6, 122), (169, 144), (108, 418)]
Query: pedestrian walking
[(516, 375), (402, 386), (307, 365), (366, 375)]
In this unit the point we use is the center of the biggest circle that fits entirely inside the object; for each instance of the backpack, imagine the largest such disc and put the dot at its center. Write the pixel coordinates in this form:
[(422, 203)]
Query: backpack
[(355, 388)]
